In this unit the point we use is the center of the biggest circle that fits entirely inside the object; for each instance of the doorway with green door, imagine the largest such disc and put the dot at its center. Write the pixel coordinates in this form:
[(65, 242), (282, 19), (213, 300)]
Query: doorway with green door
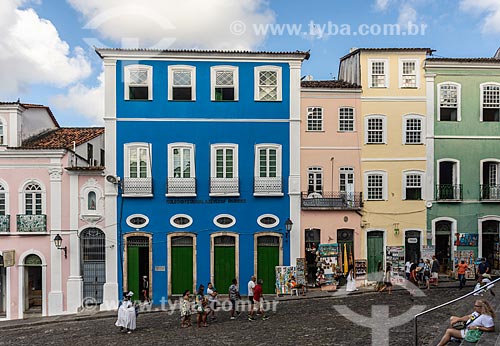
[(269, 254), (181, 262), (375, 253), (137, 264), (224, 260)]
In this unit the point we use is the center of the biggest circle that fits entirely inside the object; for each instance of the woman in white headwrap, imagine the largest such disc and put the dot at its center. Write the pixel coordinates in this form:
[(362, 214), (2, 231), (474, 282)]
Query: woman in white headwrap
[(126, 314)]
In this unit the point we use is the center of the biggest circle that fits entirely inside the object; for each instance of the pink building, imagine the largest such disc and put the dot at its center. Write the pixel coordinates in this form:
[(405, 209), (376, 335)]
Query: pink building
[(330, 168), (51, 188)]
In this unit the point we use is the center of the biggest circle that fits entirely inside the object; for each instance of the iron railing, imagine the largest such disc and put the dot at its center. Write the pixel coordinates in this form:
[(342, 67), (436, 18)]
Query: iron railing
[(267, 185), (181, 185), (4, 223), (332, 200), (489, 193), (224, 185), (31, 223), (449, 192), (137, 186), (415, 322)]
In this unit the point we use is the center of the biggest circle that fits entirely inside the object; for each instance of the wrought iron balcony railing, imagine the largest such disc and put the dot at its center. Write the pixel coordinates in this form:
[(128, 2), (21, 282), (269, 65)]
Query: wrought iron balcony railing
[(4, 223), (490, 193), (137, 186), (31, 223), (267, 185), (224, 186), (181, 186), (332, 200), (449, 192)]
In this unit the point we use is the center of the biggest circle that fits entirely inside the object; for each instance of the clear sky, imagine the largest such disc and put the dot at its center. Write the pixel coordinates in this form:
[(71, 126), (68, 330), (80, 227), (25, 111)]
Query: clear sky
[(48, 57)]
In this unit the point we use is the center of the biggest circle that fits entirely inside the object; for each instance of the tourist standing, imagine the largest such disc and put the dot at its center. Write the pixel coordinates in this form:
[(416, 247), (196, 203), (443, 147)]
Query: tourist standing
[(212, 300), (258, 302), (201, 303), (186, 310), (435, 271), (461, 270), (407, 269), (234, 295), (251, 286)]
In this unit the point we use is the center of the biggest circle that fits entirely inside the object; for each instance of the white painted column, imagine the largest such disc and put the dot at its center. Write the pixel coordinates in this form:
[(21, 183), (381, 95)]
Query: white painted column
[(429, 174), (55, 306), (74, 285), (294, 179), (110, 290)]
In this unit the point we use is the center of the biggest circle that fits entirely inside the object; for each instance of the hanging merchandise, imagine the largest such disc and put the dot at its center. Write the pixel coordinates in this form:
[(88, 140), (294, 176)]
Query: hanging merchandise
[(468, 257), (283, 274), (395, 259), (300, 271), (328, 271), (360, 269)]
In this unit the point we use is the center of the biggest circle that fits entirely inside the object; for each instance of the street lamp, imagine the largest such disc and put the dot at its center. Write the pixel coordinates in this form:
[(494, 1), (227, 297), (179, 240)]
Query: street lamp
[(58, 244), (288, 226)]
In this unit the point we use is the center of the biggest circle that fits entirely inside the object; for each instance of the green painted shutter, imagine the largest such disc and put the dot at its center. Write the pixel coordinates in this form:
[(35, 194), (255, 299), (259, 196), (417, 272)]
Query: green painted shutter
[(224, 267), (181, 269), (267, 260), (133, 270)]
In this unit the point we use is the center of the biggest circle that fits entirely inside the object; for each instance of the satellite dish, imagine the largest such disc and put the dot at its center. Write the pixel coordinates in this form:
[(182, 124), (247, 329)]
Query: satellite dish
[(314, 195), (428, 204), (112, 179)]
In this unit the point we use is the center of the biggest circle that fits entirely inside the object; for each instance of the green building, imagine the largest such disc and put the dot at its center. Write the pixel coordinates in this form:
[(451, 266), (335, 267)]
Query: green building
[(463, 152)]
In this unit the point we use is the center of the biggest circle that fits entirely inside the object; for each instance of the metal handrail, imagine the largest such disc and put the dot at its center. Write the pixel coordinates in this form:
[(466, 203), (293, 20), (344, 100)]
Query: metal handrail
[(445, 304)]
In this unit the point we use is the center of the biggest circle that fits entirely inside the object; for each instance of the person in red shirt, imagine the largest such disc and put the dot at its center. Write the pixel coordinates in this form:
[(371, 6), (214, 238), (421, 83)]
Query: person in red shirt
[(462, 268), (258, 302)]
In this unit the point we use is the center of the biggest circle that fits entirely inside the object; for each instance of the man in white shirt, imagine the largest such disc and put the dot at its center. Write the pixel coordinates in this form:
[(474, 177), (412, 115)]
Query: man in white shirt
[(251, 286)]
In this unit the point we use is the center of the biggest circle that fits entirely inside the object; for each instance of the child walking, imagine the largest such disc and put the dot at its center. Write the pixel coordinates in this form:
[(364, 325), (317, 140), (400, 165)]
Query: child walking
[(186, 310)]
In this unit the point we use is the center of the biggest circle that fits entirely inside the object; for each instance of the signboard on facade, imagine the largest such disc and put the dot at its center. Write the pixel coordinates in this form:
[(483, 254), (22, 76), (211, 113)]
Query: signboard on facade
[(159, 268), (9, 258), (412, 240)]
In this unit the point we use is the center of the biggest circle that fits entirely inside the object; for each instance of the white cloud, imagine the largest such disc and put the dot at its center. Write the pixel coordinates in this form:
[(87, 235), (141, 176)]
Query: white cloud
[(407, 14), (490, 9), (33, 52), (381, 5), (173, 23), (87, 101)]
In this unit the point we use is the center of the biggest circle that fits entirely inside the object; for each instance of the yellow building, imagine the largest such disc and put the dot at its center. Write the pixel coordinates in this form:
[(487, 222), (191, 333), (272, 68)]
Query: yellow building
[(393, 154)]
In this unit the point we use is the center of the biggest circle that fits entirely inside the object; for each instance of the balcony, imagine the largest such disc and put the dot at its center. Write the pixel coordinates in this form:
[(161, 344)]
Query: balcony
[(267, 186), (138, 187), (181, 187), (448, 192), (224, 187), (31, 223), (489, 193), (4, 223), (332, 201)]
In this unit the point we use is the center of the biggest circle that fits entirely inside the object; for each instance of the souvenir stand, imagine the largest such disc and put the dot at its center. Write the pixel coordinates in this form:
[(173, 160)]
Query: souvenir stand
[(465, 247), (301, 272), (328, 270), (427, 252), (468, 257), (283, 274), (395, 258), (360, 266)]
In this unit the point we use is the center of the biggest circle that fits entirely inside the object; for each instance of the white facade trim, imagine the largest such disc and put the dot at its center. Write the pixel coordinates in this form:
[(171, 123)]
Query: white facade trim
[(21, 276), (213, 78), (236, 237)]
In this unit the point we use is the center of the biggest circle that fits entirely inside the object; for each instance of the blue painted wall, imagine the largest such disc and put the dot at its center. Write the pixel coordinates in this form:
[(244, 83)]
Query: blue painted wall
[(203, 134)]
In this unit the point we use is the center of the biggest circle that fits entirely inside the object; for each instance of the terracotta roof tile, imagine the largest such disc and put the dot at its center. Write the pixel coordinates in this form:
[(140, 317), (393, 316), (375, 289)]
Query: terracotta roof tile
[(62, 138), (329, 84)]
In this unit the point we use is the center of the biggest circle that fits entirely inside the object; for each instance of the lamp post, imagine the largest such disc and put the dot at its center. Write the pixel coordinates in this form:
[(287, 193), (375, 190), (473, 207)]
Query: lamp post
[(58, 244), (288, 226)]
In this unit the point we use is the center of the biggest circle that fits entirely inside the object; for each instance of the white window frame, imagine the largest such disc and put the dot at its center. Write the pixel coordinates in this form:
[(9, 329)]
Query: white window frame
[(22, 196), (263, 225), (3, 132), (279, 163), (417, 74), (4, 190), (213, 80), (319, 120), (384, 128), (456, 170), (127, 69), (345, 120), (422, 183), (384, 184), (370, 73), (181, 145), (459, 100), (224, 226), (136, 146), (482, 85), (130, 224), (279, 82), (405, 129), (315, 170), (184, 216), (174, 68), (213, 158)]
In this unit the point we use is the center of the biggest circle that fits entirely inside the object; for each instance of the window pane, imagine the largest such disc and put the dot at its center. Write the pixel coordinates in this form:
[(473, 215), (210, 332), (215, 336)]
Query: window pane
[(182, 78), (314, 119), (181, 94), (346, 119), (375, 187), (375, 130), (413, 131), (138, 93)]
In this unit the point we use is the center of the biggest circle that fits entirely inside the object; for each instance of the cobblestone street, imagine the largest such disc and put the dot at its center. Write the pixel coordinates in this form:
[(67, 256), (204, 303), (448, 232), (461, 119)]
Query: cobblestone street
[(309, 321)]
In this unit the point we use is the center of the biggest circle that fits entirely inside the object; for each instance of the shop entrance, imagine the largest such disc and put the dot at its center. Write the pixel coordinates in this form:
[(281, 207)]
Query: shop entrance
[(443, 245), (268, 257), (224, 262), (137, 263), (3, 287), (412, 246), (181, 264), (33, 284), (312, 239), (93, 252), (490, 244), (375, 252), (346, 237)]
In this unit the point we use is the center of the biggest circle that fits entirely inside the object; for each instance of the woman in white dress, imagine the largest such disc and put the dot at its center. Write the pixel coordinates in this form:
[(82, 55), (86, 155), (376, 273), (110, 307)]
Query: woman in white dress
[(351, 281), (126, 314)]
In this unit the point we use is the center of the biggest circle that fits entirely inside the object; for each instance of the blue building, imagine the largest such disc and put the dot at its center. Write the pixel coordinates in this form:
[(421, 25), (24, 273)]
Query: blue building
[(203, 159)]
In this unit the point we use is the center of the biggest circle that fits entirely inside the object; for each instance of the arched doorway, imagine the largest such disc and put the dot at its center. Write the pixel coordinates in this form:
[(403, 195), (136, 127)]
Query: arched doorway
[(93, 252), (490, 242), (268, 257), (345, 239), (224, 262), (138, 263), (3, 287), (181, 263), (443, 233), (33, 284), (375, 252), (312, 241)]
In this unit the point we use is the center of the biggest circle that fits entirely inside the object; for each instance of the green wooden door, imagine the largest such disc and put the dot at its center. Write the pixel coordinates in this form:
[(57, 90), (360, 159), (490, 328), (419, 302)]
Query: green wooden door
[(224, 267), (133, 270), (267, 260), (181, 269), (375, 251)]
